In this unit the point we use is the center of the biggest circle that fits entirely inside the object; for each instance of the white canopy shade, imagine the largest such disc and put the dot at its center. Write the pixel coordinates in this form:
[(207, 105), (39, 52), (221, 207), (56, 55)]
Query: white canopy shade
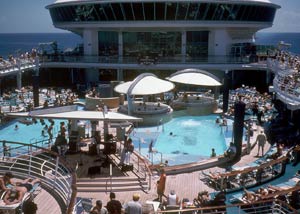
[(80, 115), (194, 77), (146, 86)]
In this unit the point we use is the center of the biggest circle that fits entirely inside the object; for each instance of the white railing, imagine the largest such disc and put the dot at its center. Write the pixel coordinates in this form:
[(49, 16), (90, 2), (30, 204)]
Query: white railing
[(28, 160)]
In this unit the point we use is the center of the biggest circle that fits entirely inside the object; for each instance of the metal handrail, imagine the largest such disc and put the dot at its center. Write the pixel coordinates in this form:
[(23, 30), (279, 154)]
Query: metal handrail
[(141, 161), (265, 206), (43, 164)]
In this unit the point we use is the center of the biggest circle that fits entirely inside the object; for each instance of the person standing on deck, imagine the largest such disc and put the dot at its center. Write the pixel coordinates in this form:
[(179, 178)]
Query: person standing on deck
[(161, 185), (261, 139), (134, 206), (114, 206)]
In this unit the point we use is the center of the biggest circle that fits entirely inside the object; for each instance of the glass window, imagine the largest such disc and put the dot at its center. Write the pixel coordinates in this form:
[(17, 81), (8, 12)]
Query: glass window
[(202, 11), (108, 43), (211, 11), (102, 14), (171, 10), (108, 11), (128, 11), (193, 10), (153, 44), (149, 11), (138, 11), (117, 11), (160, 10), (182, 10), (197, 43)]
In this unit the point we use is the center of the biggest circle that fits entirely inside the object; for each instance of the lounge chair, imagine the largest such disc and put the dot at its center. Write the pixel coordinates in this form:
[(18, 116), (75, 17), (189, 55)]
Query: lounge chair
[(18, 206)]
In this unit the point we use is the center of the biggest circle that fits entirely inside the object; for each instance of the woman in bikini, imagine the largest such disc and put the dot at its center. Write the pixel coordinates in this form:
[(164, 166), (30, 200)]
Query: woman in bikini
[(16, 194)]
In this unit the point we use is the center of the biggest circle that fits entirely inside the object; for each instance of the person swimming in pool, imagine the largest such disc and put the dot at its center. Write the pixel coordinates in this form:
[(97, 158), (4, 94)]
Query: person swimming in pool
[(171, 134)]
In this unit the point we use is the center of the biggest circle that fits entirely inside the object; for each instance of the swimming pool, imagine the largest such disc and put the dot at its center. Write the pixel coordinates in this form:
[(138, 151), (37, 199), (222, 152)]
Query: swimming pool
[(27, 133), (183, 140)]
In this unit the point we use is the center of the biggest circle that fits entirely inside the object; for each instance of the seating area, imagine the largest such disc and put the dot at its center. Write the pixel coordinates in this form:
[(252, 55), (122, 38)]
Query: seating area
[(286, 191), (252, 174)]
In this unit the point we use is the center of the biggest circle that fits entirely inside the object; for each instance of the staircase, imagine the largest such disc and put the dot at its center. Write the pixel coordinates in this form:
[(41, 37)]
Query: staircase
[(114, 184), (134, 180)]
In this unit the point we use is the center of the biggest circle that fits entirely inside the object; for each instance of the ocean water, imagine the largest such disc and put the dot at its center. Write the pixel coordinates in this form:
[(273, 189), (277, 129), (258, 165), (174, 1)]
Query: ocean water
[(263, 38), (22, 42), (13, 43)]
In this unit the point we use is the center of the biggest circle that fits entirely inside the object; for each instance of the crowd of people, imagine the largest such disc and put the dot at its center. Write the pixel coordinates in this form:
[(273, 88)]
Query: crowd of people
[(21, 58), (22, 100)]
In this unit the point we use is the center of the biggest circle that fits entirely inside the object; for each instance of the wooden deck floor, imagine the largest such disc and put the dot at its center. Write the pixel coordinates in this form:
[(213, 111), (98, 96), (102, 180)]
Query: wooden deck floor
[(46, 203), (186, 185)]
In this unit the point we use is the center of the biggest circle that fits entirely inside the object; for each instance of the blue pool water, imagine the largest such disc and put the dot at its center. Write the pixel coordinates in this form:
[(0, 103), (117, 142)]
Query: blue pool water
[(26, 133), (192, 139)]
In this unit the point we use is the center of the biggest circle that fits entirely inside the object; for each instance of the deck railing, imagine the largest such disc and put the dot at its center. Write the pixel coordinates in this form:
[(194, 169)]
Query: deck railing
[(141, 166), (28, 160), (273, 206), (136, 60)]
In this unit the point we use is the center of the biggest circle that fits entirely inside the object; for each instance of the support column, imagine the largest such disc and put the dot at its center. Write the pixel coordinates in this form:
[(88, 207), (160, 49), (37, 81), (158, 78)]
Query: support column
[(0, 86), (36, 83), (226, 91), (183, 45), (19, 80), (19, 75), (238, 126)]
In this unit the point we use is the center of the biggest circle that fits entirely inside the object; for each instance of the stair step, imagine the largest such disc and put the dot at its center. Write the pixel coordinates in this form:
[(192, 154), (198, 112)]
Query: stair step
[(110, 184), (114, 179), (109, 189)]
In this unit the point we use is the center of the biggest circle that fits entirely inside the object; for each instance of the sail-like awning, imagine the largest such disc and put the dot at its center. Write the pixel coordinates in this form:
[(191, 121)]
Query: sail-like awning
[(80, 115), (195, 77), (146, 85)]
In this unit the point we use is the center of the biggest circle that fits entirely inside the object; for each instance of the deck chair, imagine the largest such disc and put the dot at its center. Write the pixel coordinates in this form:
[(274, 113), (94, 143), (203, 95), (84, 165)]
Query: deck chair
[(4, 208), (86, 204), (173, 207)]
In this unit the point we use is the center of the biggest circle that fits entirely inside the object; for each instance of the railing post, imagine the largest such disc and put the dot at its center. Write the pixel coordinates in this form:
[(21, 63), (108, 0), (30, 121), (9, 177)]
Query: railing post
[(30, 160), (56, 169)]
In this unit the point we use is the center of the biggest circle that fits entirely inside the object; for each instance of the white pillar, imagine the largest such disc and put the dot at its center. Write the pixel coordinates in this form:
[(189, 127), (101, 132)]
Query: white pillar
[(219, 42), (183, 45), (90, 42)]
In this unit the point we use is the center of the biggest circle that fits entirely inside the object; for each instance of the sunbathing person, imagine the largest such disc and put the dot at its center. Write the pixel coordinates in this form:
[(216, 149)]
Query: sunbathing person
[(16, 194), (6, 180), (262, 192), (249, 196), (202, 199)]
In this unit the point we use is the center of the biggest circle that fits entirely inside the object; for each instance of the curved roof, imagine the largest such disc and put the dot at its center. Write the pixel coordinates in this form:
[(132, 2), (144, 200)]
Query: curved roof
[(195, 77), (264, 1), (214, 1), (145, 84)]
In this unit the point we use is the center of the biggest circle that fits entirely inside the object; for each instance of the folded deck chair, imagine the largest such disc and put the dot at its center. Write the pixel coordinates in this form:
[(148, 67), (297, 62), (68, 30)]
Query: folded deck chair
[(31, 194), (86, 204)]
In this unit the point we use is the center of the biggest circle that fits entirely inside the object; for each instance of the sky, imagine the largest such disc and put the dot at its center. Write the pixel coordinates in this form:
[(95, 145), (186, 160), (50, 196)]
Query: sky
[(30, 16)]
